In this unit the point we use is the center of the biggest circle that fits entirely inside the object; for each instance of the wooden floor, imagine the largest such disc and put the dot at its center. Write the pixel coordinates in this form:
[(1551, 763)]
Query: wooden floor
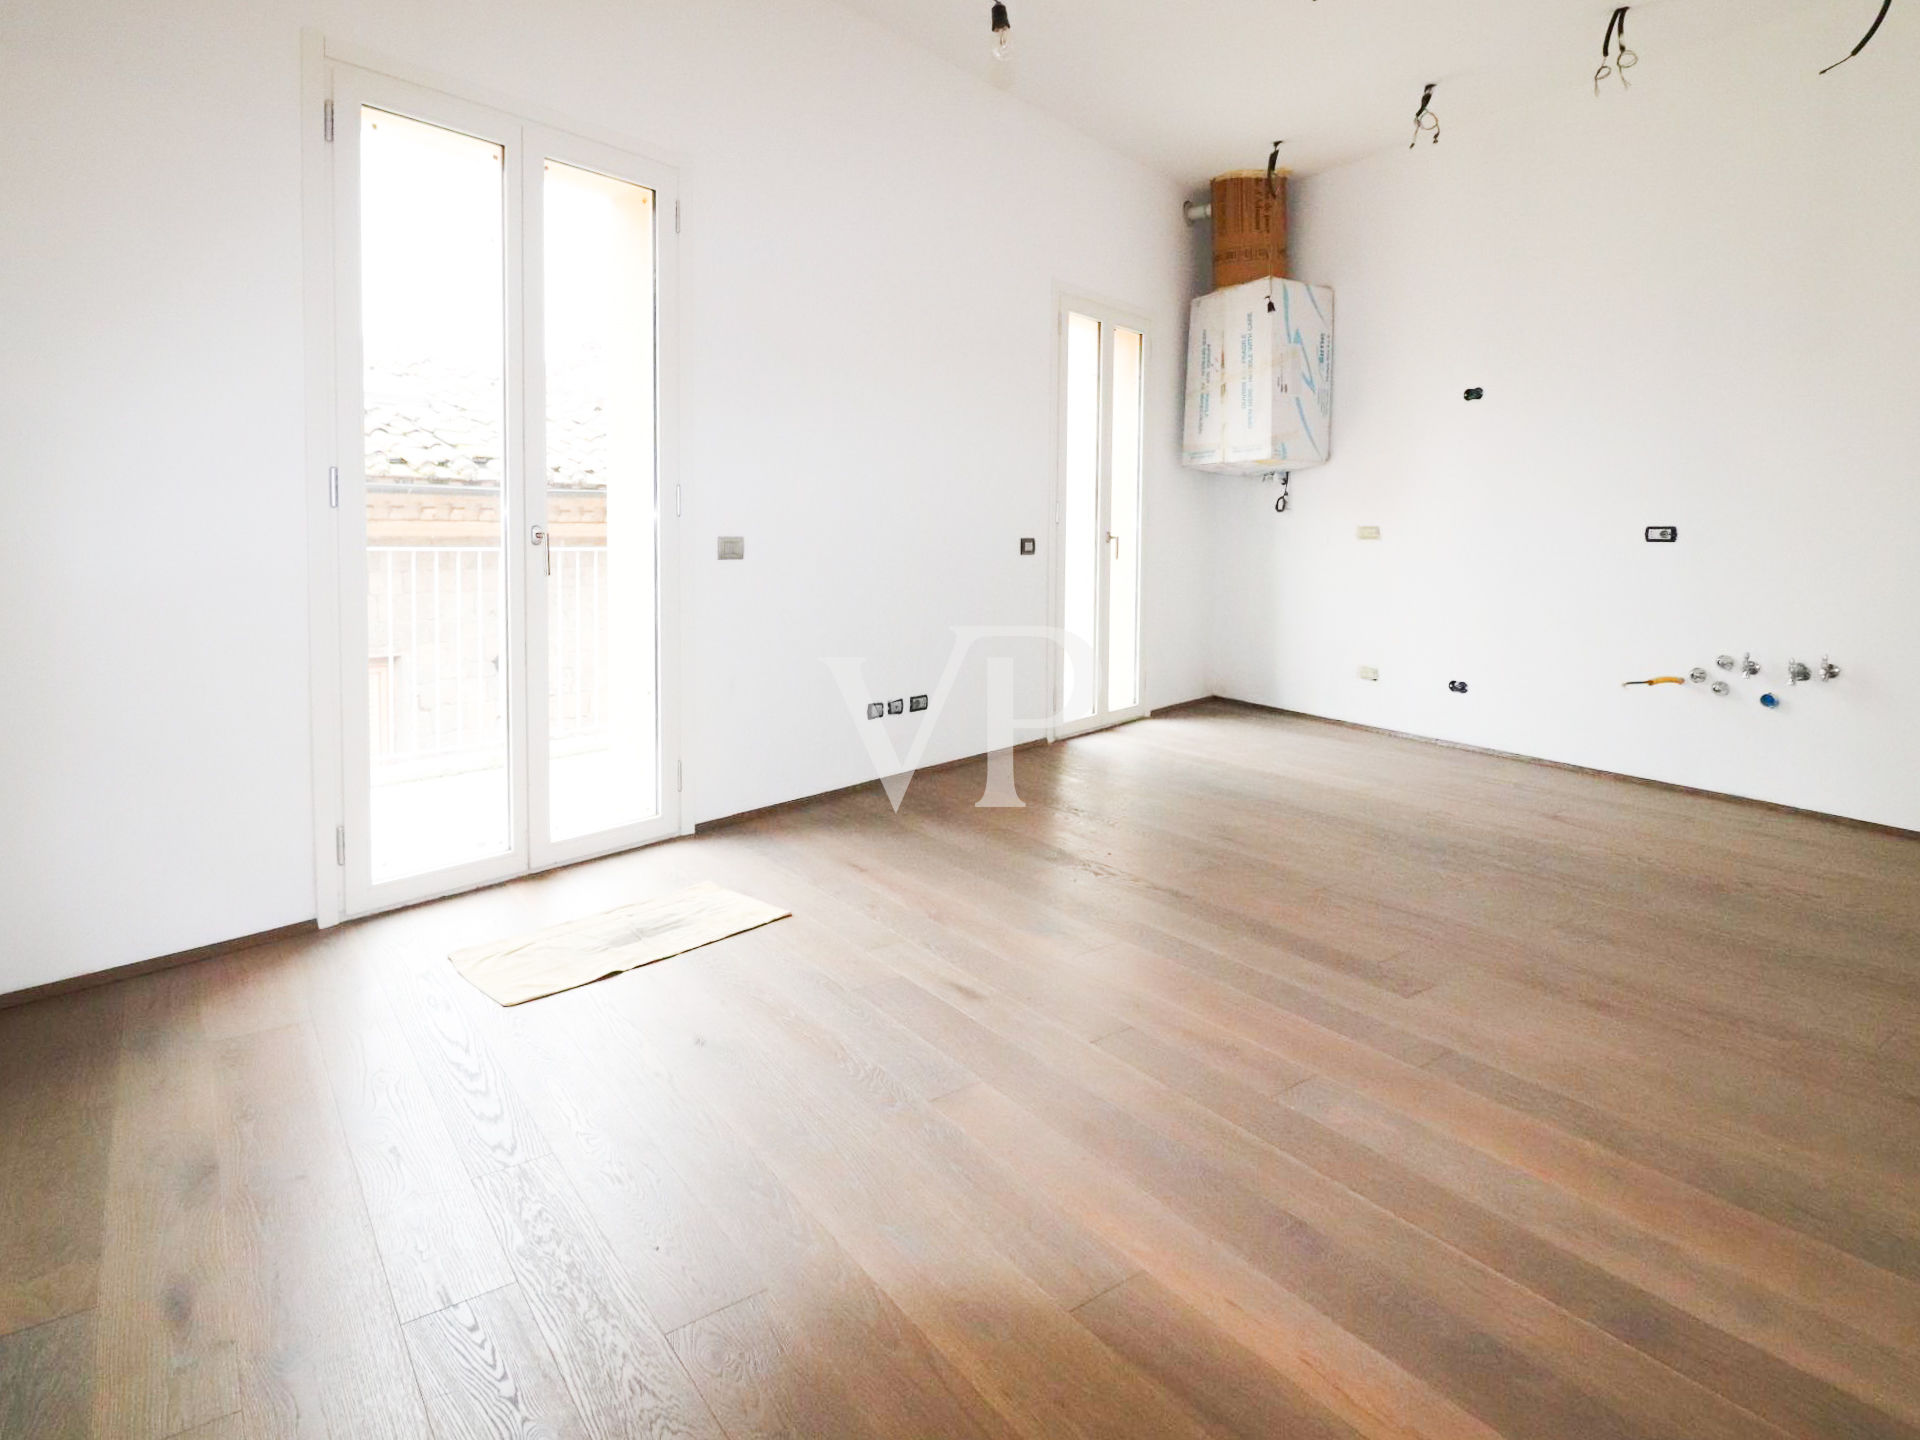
[(1260, 1078)]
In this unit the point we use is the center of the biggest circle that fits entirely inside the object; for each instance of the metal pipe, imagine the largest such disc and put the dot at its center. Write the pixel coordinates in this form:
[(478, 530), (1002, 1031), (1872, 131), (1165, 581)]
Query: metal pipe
[(1197, 210)]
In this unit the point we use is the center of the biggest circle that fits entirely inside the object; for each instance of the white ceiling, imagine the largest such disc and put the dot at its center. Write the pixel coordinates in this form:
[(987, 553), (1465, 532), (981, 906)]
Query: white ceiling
[(1194, 87)]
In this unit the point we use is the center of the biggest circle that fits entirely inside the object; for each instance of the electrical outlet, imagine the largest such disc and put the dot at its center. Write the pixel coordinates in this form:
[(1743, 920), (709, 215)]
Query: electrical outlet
[(917, 702), (733, 547), (875, 709), (1369, 532), (1662, 534), (1369, 672), (896, 707)]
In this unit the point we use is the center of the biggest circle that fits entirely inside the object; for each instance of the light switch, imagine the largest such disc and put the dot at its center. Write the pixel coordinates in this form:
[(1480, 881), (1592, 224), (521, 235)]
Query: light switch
[(1369, 532), (733, 547)]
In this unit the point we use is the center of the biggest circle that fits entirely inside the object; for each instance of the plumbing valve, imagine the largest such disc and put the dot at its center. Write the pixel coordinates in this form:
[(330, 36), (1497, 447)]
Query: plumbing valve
[(1828, 670), (1798, 672)]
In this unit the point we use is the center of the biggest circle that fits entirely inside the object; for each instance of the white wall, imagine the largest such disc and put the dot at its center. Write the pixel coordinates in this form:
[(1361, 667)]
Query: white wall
[(872, 248), (1695, 303)]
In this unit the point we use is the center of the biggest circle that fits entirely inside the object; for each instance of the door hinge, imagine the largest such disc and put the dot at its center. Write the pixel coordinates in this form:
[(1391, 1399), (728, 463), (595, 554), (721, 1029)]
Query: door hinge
[(333, 487), (676, 217), (340, 845), (327, 123)]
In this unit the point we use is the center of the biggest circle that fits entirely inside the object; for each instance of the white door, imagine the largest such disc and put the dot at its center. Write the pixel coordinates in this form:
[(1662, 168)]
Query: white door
[(1102, 390), (504, 552)]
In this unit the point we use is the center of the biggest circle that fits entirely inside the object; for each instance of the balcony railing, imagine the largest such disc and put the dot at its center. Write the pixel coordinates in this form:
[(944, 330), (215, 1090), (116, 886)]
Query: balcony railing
[(436, 650)]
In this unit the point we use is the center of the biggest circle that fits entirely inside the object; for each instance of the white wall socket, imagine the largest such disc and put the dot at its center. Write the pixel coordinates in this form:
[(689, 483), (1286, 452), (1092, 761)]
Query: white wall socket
[(1369, 672), (1369, 532)]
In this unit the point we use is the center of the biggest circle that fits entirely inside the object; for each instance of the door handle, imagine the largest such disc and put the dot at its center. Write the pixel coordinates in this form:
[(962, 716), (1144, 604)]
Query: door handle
[(538, 536)]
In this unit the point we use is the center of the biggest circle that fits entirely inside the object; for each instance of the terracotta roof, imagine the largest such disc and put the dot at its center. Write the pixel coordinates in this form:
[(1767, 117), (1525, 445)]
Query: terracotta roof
[(426, 422)]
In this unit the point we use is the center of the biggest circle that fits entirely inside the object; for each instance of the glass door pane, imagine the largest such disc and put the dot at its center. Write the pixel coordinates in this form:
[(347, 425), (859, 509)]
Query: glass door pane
[(1123, 523), (603, 652), (433, 326), (1080, 516)]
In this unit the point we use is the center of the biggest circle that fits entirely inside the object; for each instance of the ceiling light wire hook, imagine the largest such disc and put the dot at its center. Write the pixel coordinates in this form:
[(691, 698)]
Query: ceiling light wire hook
[(1866, 39), (1424, 120), (1614, 62)]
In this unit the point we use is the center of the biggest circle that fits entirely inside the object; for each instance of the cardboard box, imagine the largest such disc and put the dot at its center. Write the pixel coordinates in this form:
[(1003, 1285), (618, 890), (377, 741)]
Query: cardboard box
[(1249, 227), (1260, 381)]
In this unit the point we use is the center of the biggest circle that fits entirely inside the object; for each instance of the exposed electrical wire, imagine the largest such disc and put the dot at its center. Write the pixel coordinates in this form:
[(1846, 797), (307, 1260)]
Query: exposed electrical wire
[(1612, 63), (1002, 30), (1273, 194), (1424, 120), (1866, 39)]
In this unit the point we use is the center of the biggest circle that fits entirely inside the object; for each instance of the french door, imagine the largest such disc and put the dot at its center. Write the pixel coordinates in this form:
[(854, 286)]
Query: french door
[(503, 549), (1102, 396)]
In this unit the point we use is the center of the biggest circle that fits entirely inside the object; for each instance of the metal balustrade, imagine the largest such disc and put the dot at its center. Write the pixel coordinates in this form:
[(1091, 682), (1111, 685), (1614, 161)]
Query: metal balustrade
[(436, 637)]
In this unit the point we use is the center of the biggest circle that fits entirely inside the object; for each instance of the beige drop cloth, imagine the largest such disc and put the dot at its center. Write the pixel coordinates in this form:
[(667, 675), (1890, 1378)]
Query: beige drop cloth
[(582, 951)]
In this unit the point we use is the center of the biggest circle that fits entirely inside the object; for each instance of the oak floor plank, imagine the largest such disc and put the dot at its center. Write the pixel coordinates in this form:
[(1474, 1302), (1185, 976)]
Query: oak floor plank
[(1129, 890), (319, 1347), (225, 1427), (46, 1380), (1876, 1135), (829, 1313), (1019, 1347), (758, 1390), (436, 1244), (1053, 1252), (263, 988), (1208, 1180), (486, 1373), (921, 1070), (1751, 1341), (440, 1016), (1226, 1386), (1541, 1297), (57, 1079), (1259, 904), (622, 1376), (1752, 1178), (1841, 1286), (678, 1260), (811, 852), (166, 1354), (1257, 1076), (1326, 1362)]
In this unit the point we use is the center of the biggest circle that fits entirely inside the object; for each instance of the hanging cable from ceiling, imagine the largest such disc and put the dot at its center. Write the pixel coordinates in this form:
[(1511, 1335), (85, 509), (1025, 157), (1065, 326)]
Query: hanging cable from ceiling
[(1610, 62), (1002, 31), (1273, 198), (1866, 39), (1424, 120)]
